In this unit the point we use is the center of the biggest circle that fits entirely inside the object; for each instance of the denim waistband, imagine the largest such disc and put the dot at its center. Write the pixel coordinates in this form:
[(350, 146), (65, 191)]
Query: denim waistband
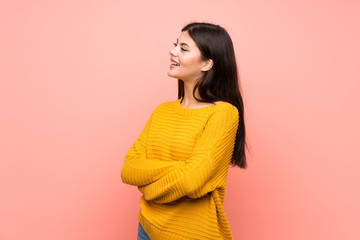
[(142, 234)]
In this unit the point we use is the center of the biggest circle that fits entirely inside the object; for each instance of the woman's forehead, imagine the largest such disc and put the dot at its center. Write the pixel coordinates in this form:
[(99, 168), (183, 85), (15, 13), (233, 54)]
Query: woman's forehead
[(185, 38)]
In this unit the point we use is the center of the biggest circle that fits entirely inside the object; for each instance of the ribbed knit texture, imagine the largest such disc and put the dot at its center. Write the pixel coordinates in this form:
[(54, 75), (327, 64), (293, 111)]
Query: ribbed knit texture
[(180, 163)]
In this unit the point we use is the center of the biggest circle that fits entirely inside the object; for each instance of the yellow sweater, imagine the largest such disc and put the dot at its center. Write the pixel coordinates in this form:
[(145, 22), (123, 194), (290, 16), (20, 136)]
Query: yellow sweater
[(180, 164)]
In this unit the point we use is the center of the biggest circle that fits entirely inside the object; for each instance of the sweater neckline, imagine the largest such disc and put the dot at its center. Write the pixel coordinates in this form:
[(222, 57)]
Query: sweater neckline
[(192, 111)]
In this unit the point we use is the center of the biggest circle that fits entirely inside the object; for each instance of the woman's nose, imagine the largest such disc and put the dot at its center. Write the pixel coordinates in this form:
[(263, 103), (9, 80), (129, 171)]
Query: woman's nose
[(172, 52)]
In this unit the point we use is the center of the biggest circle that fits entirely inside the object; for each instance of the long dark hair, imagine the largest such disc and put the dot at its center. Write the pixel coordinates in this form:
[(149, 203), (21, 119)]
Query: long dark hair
[(220, 83)]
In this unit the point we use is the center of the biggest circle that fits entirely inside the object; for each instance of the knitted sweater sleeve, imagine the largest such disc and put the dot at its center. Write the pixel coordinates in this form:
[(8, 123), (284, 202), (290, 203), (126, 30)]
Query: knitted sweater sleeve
[(206, 169), (137, 169)]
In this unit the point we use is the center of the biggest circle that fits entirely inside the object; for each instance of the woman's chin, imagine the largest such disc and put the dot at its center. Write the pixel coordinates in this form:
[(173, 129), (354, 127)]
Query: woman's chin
[(170, 74)]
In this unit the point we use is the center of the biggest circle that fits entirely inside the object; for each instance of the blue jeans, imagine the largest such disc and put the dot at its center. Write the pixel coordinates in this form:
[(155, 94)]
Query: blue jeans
[(142, 234)]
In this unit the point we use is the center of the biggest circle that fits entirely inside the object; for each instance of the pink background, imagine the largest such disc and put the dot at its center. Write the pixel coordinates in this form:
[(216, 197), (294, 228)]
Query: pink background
[(78, 80)]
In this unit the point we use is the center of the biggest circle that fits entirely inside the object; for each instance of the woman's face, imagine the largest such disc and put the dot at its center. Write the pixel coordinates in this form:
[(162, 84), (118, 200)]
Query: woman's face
[(185, 57)]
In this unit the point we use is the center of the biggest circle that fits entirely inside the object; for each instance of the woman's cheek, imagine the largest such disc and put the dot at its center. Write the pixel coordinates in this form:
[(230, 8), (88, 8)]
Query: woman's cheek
[(190, 61)]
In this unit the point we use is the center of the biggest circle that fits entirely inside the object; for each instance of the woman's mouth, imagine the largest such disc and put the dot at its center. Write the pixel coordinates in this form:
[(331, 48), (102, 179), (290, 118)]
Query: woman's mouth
[(174, 63)]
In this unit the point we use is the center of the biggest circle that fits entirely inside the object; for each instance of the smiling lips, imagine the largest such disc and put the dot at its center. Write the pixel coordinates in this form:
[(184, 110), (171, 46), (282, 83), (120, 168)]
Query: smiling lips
[(174, 63)]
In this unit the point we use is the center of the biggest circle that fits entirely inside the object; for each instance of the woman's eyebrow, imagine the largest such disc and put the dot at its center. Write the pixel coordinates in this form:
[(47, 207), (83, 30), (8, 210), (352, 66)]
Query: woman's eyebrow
[(182, 44)]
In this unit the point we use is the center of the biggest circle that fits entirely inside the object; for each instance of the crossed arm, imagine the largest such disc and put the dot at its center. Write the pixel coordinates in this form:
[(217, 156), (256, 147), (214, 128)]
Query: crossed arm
[(204, 171)]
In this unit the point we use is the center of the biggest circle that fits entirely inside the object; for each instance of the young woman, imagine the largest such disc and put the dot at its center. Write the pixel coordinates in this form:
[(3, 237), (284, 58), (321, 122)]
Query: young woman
[(181, 158)]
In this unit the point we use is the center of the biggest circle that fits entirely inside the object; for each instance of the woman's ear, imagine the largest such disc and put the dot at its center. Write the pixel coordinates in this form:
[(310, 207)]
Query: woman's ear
[(207, 65)]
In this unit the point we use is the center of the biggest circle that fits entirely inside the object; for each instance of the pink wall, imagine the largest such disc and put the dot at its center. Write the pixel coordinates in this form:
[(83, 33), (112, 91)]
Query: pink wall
[(78, 80)]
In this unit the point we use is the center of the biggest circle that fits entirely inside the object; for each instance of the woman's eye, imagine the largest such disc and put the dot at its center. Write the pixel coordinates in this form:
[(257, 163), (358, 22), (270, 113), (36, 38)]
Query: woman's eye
[(182, 49)]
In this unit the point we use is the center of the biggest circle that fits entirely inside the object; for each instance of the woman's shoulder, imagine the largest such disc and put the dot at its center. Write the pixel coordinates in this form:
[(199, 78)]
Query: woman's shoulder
[(164, 105), (219, 106), (167, 103), (226, 108), (226, 105)]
